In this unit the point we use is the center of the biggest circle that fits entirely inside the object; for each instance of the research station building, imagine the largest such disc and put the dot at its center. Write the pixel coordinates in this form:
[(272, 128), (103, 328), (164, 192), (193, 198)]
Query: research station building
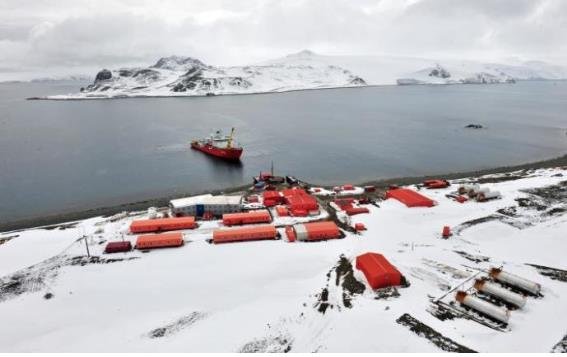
[(205, 204)]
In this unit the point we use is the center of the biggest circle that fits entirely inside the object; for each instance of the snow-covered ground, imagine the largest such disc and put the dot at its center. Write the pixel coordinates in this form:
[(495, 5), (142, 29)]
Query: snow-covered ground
[(268, 295), (186, 76)]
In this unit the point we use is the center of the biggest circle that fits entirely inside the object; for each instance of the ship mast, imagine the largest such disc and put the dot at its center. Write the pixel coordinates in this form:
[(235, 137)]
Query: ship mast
[(229, 144)]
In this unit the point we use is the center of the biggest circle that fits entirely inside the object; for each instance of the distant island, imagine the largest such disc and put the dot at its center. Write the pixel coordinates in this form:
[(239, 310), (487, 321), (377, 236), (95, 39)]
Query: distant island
[(188, 76)]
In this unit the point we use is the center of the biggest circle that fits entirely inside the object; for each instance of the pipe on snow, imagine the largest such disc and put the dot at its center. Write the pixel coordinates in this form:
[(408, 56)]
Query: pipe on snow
[(514, 280), (496, 290), (496, 312)]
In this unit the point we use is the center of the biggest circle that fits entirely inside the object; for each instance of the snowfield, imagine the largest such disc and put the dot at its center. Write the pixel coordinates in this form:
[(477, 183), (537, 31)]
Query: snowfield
[(276, 296), (187, 76)]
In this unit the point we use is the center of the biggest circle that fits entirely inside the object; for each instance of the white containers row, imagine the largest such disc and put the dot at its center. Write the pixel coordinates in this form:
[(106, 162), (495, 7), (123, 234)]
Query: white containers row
[(485, 195), (496, 312), (496, 290), (514, 280)]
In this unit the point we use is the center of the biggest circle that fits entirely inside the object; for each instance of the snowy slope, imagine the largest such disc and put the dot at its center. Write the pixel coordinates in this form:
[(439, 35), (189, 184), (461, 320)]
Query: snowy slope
[(267, 295)]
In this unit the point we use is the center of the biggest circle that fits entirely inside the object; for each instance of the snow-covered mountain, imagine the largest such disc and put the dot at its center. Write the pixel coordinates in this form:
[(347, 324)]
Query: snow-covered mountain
[(187, 76), (452, 72)]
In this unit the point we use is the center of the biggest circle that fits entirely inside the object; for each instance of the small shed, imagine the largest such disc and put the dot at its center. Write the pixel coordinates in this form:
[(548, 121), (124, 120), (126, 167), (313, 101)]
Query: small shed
[(118, 247), (314, 231), (351, 211), (378, 271)]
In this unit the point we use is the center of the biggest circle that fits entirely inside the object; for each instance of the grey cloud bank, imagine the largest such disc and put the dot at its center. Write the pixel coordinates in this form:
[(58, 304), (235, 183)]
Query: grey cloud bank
[(69, 37)]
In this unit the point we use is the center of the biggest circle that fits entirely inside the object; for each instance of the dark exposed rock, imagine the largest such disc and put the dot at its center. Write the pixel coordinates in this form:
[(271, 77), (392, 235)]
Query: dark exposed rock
[(147, 74), (239, 82), (439, 72), (179, 88), (103, 75), (358, 81), (422, 330), (474, 126), (126, 72)]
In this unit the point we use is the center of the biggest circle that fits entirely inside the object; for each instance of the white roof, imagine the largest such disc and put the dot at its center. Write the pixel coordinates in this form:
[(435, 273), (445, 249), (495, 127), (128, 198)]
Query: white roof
[(205, 199)]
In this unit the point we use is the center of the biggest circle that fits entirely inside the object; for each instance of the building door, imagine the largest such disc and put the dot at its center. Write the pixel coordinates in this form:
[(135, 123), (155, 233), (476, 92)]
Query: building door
[(200, 210)]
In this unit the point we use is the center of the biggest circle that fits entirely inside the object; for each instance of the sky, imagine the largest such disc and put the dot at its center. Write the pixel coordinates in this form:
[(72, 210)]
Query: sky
[(42, 38)]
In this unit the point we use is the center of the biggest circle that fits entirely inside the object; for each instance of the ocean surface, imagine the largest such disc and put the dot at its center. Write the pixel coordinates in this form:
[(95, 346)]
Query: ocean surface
[(60, 156)]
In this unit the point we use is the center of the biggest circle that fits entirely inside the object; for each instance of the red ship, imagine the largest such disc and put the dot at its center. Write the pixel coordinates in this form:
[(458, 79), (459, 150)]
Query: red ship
[(219, 145)]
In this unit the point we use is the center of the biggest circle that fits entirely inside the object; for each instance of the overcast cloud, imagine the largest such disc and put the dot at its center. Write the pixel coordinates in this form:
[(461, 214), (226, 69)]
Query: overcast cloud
[(80, 36)]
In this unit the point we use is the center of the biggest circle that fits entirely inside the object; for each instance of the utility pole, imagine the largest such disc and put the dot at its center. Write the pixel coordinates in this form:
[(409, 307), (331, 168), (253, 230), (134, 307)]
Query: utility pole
[(86, 243)]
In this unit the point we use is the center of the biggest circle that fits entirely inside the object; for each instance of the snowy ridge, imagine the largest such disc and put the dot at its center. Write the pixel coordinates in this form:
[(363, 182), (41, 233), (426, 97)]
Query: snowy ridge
[(275, 296)]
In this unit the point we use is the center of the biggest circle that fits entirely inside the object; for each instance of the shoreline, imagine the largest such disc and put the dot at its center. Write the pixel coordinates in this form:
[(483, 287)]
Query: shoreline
[(17, 225), (138, 96)]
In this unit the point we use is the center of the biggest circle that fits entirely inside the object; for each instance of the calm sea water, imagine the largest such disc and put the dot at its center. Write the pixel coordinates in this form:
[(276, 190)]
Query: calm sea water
[(58, 156)]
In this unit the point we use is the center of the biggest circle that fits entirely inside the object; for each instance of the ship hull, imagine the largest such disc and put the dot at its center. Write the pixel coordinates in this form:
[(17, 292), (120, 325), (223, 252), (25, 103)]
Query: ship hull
[(232, 154)]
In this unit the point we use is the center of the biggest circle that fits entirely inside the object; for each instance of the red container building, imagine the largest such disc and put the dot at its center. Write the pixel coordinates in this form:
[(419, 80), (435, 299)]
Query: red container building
[(118, 247), (351, 211), (378, 270), (282, 211), (272, 198), (317, 231), (290, 233), (409, 197), (259, 216), (150, 241), (244, 234), (162, 224), (431, 184)]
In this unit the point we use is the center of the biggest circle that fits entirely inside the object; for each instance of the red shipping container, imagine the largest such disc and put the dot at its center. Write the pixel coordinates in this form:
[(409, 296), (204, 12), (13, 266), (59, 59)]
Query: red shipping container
[(272, 195), (299, 212), (244, 234), (436, 184), (378, 271), (356, 210), (461, 199), (369, 188), (446, 232), (149, 241), (409, 197), (359, 227), (259, 216), (118, 247), (282, 211), (162, 224), (270, 203), (348, 187), (344, 201), (290, 233)]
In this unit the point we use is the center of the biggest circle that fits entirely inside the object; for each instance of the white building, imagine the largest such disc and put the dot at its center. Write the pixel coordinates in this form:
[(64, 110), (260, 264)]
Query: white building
[(199, 205)]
